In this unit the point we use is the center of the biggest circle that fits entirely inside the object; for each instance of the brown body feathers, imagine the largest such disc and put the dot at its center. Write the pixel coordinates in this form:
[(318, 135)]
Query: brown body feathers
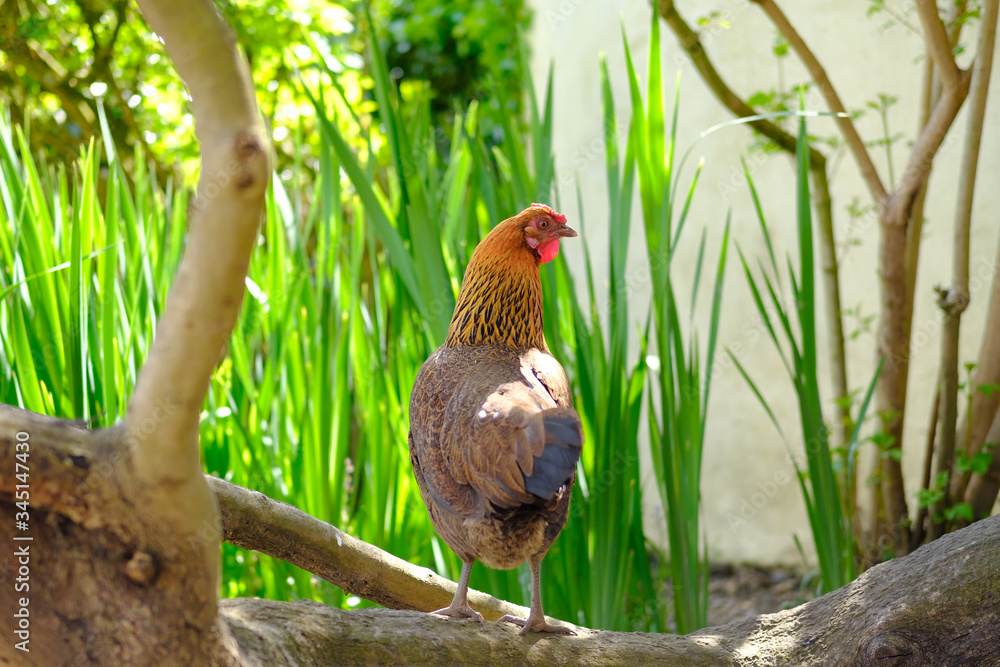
[(494, 439)]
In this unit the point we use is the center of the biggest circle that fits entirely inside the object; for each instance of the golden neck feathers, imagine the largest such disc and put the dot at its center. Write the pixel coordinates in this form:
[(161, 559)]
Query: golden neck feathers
[(500, 302)]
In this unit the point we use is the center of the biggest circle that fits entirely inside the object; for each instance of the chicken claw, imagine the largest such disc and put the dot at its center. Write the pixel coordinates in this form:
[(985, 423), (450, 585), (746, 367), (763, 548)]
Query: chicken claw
[(534, 625), (460, 611), (459, 607)]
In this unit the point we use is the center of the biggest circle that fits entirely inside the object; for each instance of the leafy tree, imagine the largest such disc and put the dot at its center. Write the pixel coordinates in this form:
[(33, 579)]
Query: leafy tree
[(61, 61), (461, 49)]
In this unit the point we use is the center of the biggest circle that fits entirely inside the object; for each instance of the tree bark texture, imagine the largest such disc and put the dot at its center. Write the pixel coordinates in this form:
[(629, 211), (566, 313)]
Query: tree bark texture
[(108, 589)]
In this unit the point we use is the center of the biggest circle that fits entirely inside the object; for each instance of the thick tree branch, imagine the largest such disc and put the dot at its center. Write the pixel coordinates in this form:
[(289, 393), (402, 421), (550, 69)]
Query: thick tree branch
[(892, 614), (90, 530), (101, 561), (818, 74), (308, 633), (254, 521), (205, 299)]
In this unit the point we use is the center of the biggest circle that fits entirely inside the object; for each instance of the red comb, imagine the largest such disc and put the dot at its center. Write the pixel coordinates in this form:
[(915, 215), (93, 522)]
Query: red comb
[(558, 217)]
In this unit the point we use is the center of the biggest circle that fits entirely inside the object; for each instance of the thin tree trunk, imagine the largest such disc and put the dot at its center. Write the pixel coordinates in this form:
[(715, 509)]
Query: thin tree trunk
[(955, 300), (983, 488), (919, 529), (890, 397), (843, 424), (895, 213), (973, 431), (691, 43)]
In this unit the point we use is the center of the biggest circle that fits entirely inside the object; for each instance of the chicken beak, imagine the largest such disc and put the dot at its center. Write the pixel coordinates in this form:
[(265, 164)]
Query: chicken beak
[(566, 232)]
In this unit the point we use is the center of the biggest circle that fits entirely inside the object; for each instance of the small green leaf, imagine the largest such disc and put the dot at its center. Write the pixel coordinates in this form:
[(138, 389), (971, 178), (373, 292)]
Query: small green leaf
[(959, 511), (981, 462)]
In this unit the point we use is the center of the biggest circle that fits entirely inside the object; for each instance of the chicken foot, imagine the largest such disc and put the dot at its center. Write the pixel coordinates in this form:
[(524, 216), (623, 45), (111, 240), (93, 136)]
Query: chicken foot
[(459, 607), (536, 618)]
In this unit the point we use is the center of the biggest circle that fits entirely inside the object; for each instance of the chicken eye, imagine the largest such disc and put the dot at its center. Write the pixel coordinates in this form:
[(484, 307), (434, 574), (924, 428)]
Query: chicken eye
[(543, 224)]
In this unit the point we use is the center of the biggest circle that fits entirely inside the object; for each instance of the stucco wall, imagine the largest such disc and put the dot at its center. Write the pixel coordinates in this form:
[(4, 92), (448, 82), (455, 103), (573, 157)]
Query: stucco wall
[(863, 57)]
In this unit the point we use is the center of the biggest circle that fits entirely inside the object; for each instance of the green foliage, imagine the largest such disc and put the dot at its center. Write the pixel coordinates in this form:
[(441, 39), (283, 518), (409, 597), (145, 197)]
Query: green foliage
[(350, 288), (81, 279), (881, 105), (988, 389), (604, 541), (826, 484), (61, 61), (930, 498), (456, 47), (679, 386), (66, 59)]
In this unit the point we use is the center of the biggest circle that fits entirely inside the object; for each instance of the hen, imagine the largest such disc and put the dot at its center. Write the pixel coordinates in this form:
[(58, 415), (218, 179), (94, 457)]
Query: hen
[(494, 440)]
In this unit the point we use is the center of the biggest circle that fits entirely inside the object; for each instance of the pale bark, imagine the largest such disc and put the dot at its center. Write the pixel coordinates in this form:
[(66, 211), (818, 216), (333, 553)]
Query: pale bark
[(125, 531), (205, 298), (254, 521), (892, 614)]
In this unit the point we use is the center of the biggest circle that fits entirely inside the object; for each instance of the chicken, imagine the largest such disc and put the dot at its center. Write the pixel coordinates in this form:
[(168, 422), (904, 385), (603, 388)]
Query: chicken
[(494, 440)]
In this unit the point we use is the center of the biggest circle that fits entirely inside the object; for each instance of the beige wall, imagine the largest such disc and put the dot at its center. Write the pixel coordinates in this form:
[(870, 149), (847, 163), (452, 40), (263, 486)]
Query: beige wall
[(863, 56)]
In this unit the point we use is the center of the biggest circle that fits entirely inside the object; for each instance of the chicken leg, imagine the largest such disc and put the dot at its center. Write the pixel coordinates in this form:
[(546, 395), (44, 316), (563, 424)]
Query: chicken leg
[(536, 618), (459, 607)]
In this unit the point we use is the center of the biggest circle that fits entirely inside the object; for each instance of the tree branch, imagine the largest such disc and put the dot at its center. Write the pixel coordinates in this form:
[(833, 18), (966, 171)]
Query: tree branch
[(308, 633), (818, 74), (938, 42), (893, 613), (929, 93), (955, 300), (983, 489), (925, 148), (691, 43), (253, 521), (205, 299)]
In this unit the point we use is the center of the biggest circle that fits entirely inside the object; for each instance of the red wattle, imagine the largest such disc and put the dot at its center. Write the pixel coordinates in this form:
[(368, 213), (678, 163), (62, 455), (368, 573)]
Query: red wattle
[(549, 250)]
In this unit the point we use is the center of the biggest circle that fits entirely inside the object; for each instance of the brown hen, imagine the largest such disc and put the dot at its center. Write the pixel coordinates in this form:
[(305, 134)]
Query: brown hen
[(494, 440)]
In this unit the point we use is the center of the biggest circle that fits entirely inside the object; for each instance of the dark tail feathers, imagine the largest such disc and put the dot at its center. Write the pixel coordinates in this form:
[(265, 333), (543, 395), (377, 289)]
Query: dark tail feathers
[(556, 465)]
